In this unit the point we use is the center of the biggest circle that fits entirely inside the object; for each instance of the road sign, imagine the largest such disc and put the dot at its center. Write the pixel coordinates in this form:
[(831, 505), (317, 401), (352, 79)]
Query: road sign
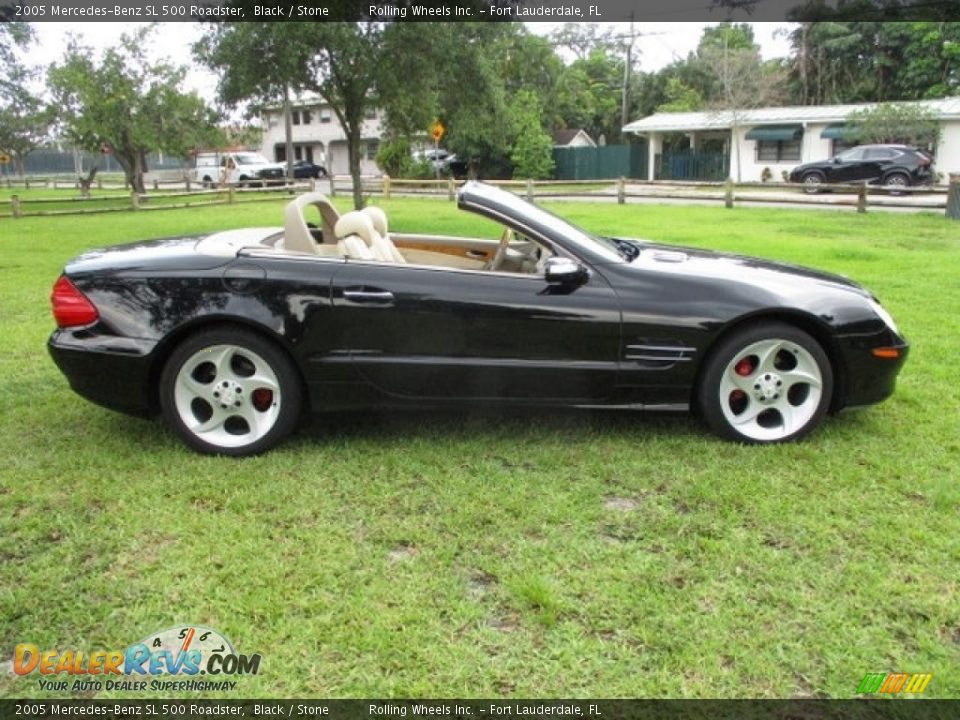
[(437, 130), (4, 158)]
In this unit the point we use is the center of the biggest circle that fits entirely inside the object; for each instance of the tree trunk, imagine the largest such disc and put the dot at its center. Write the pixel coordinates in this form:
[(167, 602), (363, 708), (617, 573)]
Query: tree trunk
[(132, 170), (353, 154)]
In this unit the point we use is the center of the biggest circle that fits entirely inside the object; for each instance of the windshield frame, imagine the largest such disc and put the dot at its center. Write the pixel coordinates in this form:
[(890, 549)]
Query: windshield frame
[(528, 218)]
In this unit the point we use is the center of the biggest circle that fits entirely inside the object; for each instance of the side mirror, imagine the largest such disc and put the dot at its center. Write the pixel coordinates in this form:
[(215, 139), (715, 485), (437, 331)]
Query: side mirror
[(564, 271)]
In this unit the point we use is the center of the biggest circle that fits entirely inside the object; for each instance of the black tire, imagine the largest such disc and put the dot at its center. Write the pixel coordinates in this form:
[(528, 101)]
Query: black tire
[(758, 385), (811, 182), (188, 392), (897, 179)]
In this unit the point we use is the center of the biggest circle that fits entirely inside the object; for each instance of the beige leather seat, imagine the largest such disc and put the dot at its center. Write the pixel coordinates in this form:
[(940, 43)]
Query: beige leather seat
[(355, 233), (383, 245), (296, 234)]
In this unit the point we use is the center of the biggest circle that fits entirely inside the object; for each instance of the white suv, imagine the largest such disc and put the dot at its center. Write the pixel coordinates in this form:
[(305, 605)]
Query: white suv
[(235, 168)]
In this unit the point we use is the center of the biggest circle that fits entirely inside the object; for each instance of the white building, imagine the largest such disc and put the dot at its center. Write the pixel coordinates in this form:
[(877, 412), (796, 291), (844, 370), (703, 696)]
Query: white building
[(318, 137), (783, 137)]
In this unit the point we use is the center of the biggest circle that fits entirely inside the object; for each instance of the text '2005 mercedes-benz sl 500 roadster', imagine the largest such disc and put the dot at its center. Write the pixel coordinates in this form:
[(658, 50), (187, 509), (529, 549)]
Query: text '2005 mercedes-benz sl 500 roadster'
[(232, 335)]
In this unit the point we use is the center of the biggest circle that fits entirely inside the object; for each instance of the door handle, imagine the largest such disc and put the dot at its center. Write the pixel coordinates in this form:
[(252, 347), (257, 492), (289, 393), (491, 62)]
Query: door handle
[(371, 297)]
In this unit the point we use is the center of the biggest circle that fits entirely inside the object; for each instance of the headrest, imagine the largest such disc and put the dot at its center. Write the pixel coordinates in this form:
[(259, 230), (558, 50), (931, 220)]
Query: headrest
[(378, 217), (354, 223)]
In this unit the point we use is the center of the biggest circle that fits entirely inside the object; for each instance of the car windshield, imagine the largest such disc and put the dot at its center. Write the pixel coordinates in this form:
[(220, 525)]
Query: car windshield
[(609, 249), (251, 159)]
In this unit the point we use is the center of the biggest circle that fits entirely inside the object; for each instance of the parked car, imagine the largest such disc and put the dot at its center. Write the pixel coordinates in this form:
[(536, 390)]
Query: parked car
[(236, 168), (442, 161), (893, 165), (230, 335), (306, 169)]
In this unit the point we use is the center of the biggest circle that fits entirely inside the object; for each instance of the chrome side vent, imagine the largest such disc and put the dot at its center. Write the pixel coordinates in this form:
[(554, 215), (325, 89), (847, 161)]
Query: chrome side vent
[(659, 355)]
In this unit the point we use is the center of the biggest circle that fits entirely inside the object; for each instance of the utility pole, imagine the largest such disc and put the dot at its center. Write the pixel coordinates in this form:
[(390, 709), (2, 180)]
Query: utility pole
[(625, 94), (288, 131)]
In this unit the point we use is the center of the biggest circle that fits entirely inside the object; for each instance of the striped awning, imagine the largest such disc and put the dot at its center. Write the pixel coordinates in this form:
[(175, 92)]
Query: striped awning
[(775, 132)]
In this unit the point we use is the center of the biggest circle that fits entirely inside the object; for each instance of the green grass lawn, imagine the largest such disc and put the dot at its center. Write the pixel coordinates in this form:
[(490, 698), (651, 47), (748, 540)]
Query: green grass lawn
[(533, 554)]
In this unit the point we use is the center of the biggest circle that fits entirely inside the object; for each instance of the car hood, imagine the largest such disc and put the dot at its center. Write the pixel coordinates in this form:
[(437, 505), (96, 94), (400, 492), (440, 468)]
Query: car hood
[(777, 277)]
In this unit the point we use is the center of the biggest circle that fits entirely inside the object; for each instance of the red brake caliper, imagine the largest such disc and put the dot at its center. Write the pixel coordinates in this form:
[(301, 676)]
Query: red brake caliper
[(262, 399), (743, 368)]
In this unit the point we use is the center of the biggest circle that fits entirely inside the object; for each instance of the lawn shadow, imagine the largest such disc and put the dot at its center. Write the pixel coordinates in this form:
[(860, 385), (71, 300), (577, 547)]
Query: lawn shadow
[(453, 424)]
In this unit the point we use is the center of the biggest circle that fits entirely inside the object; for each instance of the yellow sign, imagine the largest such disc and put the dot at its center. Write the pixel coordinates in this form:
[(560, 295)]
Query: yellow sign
[(437, 130), (4, 158)]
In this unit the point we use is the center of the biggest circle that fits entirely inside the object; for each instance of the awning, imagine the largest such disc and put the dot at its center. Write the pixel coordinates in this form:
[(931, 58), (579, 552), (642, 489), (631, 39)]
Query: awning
[(833, 132), (775, 132)]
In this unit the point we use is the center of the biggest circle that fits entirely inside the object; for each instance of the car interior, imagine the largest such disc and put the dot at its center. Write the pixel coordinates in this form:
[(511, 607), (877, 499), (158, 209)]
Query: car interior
[(312, 225)]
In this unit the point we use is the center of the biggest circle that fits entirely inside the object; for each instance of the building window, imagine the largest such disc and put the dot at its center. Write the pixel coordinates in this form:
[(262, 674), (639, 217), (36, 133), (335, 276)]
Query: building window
[(296, 117), (778, 151), (373, 146), (324, 116), (840, 145), (370, 113), (306, 117)]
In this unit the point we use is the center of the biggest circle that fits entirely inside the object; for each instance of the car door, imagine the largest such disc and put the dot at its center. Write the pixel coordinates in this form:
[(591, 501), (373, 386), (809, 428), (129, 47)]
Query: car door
[(879, 159), (426, 333), (848, 166)]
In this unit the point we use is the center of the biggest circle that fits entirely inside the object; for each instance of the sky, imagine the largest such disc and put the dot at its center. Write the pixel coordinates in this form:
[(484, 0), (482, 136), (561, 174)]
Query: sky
[(660, 44)]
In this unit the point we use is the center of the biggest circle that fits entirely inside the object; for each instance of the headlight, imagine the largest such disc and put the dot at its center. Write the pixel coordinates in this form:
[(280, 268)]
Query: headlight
[(883, 315)]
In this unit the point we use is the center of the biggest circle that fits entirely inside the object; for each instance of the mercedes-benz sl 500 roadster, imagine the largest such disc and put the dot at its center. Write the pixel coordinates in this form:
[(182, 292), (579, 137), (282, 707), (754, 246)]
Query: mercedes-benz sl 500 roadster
[(232, 335)]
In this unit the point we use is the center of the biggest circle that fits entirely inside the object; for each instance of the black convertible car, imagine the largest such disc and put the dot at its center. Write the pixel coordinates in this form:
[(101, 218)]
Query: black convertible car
[(231, 335)]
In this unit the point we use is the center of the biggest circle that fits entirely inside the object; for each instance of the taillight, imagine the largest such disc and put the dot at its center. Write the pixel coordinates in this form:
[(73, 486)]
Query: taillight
[(70, 306), (924, 161)]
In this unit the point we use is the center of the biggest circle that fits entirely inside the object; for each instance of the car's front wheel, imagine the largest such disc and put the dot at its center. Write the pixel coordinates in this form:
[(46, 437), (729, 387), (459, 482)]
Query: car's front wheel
[(769, 382), (229, 391), (812, 182)]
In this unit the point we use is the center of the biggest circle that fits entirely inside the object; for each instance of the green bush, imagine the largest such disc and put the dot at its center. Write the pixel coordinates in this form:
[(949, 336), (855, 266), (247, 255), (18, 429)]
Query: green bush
[(394, 159)]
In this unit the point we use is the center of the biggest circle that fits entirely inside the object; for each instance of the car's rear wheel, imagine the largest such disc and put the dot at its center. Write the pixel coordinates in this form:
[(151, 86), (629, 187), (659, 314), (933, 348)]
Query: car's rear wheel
[(812, 182), (896, 181), (769, 382), (229, 391)]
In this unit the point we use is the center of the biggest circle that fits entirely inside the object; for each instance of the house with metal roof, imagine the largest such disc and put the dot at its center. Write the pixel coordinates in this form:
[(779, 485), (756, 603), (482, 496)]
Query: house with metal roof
[(775, 138)]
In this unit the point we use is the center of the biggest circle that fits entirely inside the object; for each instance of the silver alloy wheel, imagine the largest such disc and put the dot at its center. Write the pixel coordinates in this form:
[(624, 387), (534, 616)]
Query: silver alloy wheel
[(227, 395), (897, 180), (812, 183), (770, 389)]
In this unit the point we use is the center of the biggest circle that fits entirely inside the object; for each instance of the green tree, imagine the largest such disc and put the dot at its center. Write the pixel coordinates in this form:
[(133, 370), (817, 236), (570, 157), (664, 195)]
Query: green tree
[(128, 104), (589, 94), (339, 61), (460, 75), (907, 123), (839, 62), (744, 82), (532, 151), (357, 66), (13, 35), (24, 125), (680, 97)]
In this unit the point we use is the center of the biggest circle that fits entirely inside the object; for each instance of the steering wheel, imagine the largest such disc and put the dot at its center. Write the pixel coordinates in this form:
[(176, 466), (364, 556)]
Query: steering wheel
[(505, 239)]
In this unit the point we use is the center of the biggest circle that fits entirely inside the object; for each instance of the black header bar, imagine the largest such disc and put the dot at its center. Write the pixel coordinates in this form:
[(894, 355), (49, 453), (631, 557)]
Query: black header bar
[(910, 709), (475, 10)]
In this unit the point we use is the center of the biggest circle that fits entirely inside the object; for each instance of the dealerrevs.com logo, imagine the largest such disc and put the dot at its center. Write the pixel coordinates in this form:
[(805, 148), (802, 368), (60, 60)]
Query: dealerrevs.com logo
[(186, 651), (894, 683)]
